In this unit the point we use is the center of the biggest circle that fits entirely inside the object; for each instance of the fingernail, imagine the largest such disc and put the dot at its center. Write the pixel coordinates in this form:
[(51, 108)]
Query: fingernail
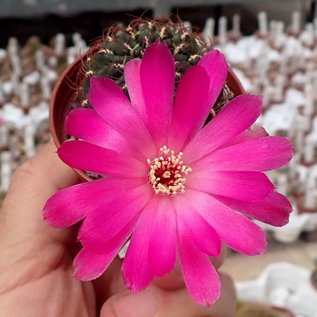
[(142, 304)]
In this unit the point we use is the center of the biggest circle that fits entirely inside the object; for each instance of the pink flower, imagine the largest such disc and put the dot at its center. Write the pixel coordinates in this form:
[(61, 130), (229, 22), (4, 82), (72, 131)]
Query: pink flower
[(174, 186)]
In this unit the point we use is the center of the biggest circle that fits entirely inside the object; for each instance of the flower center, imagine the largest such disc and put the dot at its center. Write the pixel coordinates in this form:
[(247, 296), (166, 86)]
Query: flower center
[(168, 173)]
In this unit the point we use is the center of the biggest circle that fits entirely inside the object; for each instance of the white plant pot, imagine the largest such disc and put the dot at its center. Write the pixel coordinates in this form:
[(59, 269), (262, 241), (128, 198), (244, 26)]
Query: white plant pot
[(284, 285), (297, 224)]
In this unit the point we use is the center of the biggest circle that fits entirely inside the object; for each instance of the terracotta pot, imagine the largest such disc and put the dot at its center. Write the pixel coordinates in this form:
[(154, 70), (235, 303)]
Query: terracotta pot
[(251, 309), (64, 94), (282, 311)]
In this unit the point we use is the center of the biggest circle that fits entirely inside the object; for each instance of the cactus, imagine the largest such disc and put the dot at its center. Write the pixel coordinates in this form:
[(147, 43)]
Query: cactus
[(120, 44)]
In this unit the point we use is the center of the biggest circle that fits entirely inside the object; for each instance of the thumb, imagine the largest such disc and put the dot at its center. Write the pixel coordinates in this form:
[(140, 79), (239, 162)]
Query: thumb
[(126, 304), (167, 296), (156, 302)]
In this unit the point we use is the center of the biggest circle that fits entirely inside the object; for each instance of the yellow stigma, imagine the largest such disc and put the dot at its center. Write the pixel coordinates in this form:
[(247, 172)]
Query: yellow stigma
[(168, 173)]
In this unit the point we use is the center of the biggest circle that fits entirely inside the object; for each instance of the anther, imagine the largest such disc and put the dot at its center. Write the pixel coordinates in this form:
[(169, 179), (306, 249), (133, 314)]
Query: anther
[(168, 174)]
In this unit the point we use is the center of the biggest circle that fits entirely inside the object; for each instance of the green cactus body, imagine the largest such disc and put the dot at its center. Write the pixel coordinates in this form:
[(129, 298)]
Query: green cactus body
[(108, 55)]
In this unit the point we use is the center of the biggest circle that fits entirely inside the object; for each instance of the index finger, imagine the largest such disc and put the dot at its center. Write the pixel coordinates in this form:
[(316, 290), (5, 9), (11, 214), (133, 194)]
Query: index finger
[(32, 184), (174, 280)]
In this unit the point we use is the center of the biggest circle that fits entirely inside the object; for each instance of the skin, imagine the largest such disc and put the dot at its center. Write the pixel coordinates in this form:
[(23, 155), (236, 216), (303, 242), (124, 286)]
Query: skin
[(36, 274)]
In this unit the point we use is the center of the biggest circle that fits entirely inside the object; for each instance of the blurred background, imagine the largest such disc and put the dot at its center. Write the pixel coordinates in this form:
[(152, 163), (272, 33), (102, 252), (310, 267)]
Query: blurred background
[(271, 46)]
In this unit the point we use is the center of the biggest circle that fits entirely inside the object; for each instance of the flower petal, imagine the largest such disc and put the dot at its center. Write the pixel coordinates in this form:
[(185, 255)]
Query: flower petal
[(114, 107), (133, 81), (106, 229), (247, 186), (201, 278), (274, 210), (87, 125), (94, 259), (157, 73), (216, 66), (137, 272), (191, 107), (72, 204), (90, 264), (253, 133), (107, 219), (236, 117), (202, 234), (162, 250), (261, 154), (89, 157), (235, 230)]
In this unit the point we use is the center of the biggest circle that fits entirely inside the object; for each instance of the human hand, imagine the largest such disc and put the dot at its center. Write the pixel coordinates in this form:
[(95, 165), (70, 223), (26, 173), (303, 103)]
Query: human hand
[(36, 275)]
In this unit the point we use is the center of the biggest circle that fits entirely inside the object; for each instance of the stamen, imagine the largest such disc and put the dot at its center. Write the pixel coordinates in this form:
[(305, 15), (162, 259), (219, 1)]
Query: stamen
[(168, 174)]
